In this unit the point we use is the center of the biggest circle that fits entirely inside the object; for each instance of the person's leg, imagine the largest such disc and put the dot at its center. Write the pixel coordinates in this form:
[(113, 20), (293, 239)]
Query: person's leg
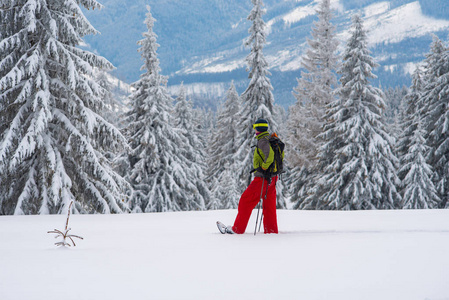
[(269, 209), (248, 201)]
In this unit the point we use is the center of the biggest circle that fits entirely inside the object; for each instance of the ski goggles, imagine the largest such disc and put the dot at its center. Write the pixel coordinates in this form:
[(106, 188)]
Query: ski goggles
[(260, 125)]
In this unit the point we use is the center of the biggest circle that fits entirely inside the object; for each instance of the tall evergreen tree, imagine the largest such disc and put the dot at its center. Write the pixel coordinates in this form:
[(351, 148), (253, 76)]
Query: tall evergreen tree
[(410, 107), (159, 169), (52, 137), (183, 120), (419, 191), (436, 115), (313, 94), (315, 87), (189, 125), (257, 99), (357, 158), (222, 164)]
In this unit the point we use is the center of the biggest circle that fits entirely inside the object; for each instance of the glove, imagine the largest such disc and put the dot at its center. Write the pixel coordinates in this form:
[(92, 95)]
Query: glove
[(264, 172)]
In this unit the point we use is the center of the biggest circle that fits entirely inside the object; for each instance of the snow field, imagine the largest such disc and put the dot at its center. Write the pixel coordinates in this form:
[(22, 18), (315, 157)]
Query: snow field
[(317, 255)]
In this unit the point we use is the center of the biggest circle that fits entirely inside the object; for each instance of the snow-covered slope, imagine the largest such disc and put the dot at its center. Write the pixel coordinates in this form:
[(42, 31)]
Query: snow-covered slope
[(386, 26), (395, 25), (369, 255)]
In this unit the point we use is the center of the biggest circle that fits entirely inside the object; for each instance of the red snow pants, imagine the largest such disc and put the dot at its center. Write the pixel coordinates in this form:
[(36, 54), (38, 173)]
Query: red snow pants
[(250, 198)]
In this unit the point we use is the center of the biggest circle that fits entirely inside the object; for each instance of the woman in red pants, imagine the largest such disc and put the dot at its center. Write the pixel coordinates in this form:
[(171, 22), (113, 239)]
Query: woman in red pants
[(250, 198), (263, 157)]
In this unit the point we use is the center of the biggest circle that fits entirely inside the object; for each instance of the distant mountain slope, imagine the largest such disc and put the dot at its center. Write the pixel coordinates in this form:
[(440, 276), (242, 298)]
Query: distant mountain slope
[(202, 40)]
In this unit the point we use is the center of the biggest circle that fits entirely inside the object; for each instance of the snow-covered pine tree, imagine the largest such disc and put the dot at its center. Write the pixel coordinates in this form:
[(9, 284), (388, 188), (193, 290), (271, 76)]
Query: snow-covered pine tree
[(52, 136), (419, 191), (159, 170), (257, 99), (315, 87), (313, 93), (189, 125), (298, 147), (222, 165), (410, 106), (204, 123), (436, 116), (357, 157), (183, 120)]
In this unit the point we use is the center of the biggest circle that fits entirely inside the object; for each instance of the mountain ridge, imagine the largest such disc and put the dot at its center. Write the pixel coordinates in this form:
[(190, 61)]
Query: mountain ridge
[(201, 41)]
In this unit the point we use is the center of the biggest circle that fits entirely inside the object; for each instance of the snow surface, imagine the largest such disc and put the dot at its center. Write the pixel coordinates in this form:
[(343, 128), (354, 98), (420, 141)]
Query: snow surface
[(388, 255)]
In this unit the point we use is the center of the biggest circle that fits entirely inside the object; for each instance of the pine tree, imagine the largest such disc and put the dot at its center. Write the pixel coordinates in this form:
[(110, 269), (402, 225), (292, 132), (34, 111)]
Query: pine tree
[(315, 87), (436, 116), (410, 106), (183, 120), (419, 191), (188, 122), (159, 169), (52, 136), (257, 99), (357, 157), (222, 171), (313, 93)]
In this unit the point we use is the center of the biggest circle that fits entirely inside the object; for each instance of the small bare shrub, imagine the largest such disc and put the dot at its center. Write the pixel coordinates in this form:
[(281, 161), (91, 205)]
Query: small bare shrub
[(65, 234)]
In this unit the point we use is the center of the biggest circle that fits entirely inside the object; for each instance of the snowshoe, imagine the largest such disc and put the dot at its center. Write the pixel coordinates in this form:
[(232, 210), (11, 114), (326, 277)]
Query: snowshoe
[(221, 227), (224, 229)]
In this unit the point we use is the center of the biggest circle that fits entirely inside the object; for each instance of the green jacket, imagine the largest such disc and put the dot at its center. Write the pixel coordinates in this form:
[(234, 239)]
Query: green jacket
[(263, 154)]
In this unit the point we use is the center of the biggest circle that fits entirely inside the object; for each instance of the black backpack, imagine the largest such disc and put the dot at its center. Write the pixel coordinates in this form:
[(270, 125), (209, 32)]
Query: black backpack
[(277, 166)]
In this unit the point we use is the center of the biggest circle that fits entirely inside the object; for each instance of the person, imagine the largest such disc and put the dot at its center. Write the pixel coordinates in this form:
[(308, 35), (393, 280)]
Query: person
[(263, 157)]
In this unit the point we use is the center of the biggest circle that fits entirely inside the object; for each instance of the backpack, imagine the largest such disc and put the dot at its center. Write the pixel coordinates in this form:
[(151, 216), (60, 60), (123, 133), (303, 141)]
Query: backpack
[(277, 166)]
